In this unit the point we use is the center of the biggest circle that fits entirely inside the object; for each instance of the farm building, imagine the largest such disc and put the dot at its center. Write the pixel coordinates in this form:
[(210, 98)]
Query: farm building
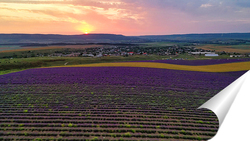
[(99, 55), (198, 53), (211, 55)]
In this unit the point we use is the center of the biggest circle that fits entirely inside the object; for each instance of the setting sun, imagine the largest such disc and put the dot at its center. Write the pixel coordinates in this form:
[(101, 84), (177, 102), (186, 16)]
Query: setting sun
[(85, 28)]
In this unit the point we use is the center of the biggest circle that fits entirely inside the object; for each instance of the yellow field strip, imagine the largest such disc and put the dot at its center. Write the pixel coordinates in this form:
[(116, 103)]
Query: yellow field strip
[(229, 67)]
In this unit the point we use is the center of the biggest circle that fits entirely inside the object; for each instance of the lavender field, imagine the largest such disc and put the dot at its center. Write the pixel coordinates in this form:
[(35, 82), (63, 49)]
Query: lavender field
[(200, 62), (109, 103)]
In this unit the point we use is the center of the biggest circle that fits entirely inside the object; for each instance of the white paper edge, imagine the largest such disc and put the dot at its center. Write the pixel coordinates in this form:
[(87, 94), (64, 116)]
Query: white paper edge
[(221, 103)]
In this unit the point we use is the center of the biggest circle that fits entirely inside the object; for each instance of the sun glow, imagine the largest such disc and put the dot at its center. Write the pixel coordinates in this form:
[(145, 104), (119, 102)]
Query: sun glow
[(85, 28)]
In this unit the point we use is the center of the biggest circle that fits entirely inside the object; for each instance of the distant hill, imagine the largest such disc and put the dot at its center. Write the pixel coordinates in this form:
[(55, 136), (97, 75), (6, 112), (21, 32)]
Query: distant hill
[(198, 37), (54, 38), (44, 39)]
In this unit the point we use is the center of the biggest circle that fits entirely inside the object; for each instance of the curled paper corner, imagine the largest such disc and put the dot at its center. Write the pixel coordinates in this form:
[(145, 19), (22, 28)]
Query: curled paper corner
[(221, 103), (231, 106)]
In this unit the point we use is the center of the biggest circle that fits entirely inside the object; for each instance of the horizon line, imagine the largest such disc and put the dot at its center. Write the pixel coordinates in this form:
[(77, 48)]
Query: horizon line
[(125, 35)]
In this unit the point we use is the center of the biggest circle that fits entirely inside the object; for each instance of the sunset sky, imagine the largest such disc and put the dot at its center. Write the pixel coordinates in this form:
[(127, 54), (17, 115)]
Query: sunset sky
[(127, 17)]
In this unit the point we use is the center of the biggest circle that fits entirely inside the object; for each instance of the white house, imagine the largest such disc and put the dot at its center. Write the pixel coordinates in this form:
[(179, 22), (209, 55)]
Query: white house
[(236, 55), (87, 55)]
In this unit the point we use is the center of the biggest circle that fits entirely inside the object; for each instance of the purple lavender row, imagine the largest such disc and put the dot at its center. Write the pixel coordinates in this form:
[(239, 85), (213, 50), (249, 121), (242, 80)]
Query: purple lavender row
[(123, 76), (199, 62)]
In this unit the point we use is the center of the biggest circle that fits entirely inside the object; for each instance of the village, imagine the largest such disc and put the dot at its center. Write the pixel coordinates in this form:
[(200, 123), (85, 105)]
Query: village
[(125, 51), (139, 50)]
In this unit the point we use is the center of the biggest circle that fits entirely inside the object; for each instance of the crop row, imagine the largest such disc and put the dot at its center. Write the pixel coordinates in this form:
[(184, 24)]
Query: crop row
[(100, 128), (110, 120), (117, 135)]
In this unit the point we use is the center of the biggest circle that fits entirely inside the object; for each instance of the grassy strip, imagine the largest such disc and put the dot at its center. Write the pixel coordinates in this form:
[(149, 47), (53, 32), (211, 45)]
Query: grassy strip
[(10, 71)]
